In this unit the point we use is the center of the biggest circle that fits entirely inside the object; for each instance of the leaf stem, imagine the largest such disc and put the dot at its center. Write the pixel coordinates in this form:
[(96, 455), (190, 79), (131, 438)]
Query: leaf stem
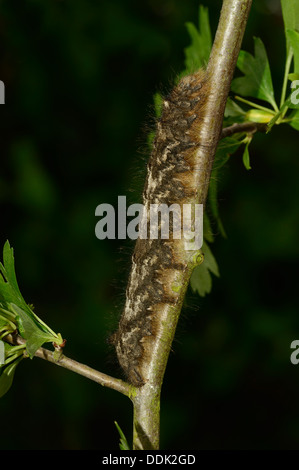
[(8, 313), (256, 106), (18, 348), (10, 323), (285, 79), (81, 369), (5, 332), (13, 357)]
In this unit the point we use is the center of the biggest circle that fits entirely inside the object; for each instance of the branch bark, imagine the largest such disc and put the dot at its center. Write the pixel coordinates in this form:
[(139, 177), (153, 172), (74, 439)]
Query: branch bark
[(81, 369), (250, 127), (231, 27)]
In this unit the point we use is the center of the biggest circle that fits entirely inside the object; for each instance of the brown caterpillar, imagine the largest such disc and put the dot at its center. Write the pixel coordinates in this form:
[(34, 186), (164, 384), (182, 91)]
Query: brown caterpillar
[(155, 262)]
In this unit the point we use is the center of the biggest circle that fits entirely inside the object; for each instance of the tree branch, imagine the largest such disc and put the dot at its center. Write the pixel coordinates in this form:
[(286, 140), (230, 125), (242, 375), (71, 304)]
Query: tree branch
[(219, 74), (250, 127), (146, 399), (81, 369)]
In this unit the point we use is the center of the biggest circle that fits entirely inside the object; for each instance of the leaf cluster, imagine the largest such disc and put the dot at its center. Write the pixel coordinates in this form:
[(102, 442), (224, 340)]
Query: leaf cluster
[(255, 83), (17, 318)]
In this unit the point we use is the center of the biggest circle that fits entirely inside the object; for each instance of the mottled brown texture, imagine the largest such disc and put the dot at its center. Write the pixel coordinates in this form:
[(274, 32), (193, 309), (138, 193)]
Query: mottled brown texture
[(155, 263)]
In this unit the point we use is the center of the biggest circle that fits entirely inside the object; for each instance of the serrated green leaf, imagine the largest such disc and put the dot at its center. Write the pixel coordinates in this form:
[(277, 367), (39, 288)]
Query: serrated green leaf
[(257, 80), (205, 31), (290, 13), (7, 375), (232, 109), (31, 332), (9, 289), (10, 293), (226, 147), (197, 54), (210, 260), (9, 268), (293, 37), (213, 202), (201, 279), (123, 444), (246, 157)]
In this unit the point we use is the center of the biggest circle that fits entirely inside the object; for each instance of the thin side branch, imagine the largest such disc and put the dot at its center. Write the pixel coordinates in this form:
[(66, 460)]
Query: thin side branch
[(249, 127), (81, 369)]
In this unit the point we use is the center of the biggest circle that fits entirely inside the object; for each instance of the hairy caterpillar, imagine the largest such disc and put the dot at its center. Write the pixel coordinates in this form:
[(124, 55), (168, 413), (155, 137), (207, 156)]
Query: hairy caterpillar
[(155, 262)]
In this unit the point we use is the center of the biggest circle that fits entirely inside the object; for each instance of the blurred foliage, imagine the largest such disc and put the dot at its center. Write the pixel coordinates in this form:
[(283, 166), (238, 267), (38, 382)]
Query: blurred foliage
[(80, 76)]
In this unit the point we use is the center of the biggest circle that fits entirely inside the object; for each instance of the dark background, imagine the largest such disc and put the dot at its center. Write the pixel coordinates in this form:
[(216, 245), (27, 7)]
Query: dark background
[(79, 77)]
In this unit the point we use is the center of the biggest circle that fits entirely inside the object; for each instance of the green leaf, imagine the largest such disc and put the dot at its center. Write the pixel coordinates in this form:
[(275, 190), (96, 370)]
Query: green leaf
[(295, 120), (9, 267), (293, 37), (123, 444), (9, 289), (197, 54), (226, 147), (10, 297), (257, 80), (201, 280), (7, 375), (11, 350), (30, 330), (232, 109), (207, 229), (3, 324), (213, 202), (209, 260), (290, 13), (246, 157)]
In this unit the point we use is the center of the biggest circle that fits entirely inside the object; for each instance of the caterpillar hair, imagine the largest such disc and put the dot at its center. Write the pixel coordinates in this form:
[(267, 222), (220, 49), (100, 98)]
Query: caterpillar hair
[(156, 262)]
